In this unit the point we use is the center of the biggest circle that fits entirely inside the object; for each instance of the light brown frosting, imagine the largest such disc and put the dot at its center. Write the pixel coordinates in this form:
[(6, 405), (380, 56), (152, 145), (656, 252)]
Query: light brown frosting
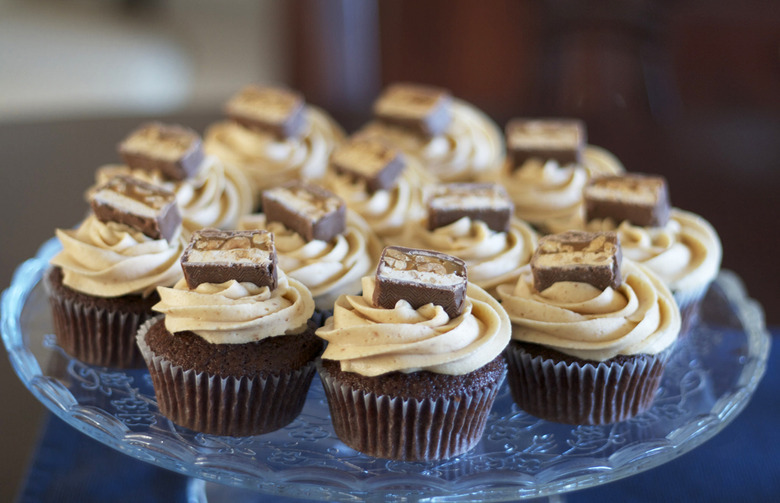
[(107, 259), (372, 341), (471, 148), (327, 268), (639, 317), (236, 313)]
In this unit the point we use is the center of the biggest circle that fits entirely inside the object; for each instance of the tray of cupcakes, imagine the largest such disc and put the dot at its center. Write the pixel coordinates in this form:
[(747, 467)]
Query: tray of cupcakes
[(422, 309)]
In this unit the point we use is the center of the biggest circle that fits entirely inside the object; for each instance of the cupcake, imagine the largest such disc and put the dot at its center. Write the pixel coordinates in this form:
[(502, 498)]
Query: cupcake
[(233, 353), (379, 183), (102, 284), (318, 241), (413, 365), (452, 139), (591, 332), (273, 137), (548, 164), (475, 223), (680, 247), (208, 192)]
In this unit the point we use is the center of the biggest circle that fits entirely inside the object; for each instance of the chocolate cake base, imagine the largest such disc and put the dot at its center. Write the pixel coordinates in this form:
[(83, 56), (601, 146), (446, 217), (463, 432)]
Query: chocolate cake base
[(421, 416), (98, 330), (565, 389), (229, 389)]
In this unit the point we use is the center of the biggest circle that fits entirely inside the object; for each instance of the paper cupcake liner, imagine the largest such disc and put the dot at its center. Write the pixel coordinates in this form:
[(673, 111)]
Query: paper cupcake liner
[(584, 392), (230, 406), (96, 335), (407, 429)]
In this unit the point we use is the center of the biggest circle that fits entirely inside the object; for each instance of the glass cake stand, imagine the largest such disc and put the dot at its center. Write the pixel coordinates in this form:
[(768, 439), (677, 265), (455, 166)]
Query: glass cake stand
[(712, 376)]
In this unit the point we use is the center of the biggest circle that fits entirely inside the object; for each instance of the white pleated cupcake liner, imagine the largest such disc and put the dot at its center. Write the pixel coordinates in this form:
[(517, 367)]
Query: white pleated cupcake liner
[(584, 393), (95, 336), (231, 406), (407, 429)]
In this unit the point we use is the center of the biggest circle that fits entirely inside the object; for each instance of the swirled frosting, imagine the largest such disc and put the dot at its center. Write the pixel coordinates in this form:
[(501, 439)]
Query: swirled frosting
[(549, 196), (107, 259), (215, 197), (639, 317), (471, 148), (685, 253), (385, 211), (372, 341), (236, 313), (269, 161), (327, 268), (491, 257)]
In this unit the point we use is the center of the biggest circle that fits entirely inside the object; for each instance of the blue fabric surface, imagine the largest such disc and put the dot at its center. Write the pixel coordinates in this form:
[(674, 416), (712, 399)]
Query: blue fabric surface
[(741, 463)]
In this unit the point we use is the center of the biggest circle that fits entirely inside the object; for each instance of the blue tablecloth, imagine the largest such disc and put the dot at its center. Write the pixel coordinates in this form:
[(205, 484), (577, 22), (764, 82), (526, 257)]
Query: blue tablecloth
[(741, 463)]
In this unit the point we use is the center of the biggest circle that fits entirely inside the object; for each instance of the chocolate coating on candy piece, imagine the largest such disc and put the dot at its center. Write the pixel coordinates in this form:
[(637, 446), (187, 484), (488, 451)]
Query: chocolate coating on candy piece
[(423, 109), (420, 277), (215, 256), (276, 110), (486, 202), (309, 210), (175, 151), (371, 160), (560, 139), (583, 257), (643, 200), (143, 206)]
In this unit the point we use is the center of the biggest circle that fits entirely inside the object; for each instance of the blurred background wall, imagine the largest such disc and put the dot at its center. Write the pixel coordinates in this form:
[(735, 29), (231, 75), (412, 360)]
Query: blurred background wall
[(689, 89)]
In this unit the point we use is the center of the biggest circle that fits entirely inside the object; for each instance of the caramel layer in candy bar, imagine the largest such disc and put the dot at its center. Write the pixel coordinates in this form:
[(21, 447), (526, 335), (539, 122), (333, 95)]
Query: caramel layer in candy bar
[(307, 209), (643, 200), (143, 206), (420, 277), (175, 151), (371, 160), (215, 256), (423, 109), (487, 202), (273, 109), (583, 257), (562, 140)]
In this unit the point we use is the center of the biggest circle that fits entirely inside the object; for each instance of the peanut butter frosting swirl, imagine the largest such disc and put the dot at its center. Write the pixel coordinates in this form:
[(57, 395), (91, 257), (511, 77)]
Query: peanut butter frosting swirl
[(269, 161), (236, 313), (372, 341), (327, 268), (491, 257), (639, 317), (107, 259), (217, 196), (685, 253), (472, 147), (548, 195), (385, 211)]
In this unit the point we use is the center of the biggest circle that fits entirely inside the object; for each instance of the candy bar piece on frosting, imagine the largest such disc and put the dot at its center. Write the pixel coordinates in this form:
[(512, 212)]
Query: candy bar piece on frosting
[(143, 206), (309, 210), (175, 151), (216, 256), (420, 277), (276, 110), (370, 160), (643, 200), (423, 109), (486, 202), (562, 140), (583, 257)]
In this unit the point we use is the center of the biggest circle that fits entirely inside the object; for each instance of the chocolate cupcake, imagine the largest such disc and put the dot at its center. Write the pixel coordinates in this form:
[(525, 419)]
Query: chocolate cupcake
[(413, 366), (102, 284), (234, 352), (591, 331)]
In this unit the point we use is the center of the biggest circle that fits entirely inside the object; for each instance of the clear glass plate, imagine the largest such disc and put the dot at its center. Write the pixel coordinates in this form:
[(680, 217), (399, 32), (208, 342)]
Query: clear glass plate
[(708, 382)]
